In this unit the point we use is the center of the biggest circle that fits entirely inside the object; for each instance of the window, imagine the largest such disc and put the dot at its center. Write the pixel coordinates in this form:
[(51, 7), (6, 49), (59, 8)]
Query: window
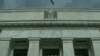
[(0, 30), (81, 52), (51, 52), (19, 47), (50, 47), (83, 47), (50, 14), (20, 52)]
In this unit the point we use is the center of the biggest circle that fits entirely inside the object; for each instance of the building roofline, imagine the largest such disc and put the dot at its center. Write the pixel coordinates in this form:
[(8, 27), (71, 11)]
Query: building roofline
[(55, 9)]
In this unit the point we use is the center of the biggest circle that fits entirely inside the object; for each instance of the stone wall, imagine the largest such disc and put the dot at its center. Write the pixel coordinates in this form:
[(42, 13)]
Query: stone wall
[(50, 33), (38, 14)]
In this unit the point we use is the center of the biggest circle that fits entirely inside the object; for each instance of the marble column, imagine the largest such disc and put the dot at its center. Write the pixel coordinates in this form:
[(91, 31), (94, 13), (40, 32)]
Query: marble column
[(68, 49), (4, 46), (96, 46), (33, 47)]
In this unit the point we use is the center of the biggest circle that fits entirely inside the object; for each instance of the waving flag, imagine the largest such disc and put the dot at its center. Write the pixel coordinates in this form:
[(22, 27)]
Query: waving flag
[(52, 2)]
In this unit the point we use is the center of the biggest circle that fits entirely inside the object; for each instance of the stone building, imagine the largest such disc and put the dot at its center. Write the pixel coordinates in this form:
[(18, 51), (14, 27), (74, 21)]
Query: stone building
[(50, 32)]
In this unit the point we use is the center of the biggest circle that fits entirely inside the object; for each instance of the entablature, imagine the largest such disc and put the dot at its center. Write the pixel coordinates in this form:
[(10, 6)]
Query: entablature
[(51, 23)]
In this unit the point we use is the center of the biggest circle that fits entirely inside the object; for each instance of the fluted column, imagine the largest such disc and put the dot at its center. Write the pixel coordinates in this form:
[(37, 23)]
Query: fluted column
[(68, 49), (4, 46), (33, 47), (96, 46)]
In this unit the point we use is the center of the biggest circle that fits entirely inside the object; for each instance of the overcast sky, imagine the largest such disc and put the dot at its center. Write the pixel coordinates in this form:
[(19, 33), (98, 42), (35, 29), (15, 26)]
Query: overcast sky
[(48, 4)]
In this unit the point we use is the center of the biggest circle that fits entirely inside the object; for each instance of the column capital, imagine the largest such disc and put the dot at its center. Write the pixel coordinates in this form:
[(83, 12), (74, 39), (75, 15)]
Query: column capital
[(33, 38), (67, 39), (5, 39), (96, 39)]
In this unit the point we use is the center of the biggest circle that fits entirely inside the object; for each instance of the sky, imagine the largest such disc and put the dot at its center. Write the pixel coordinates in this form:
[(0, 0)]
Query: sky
[(48, 4)]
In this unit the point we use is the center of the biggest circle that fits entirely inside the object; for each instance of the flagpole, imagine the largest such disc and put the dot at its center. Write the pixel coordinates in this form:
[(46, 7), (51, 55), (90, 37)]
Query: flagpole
[(51, 7)]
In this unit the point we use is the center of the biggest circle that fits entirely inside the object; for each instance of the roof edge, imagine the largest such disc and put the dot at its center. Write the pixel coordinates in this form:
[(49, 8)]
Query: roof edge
[(55, 9)]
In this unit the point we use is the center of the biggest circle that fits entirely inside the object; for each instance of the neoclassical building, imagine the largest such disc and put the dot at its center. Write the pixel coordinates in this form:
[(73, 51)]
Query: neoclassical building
[(50, 32)]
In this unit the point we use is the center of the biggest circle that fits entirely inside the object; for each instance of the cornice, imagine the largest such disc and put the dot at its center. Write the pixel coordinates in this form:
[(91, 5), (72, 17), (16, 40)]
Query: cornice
[(55, 9), (51, 23)]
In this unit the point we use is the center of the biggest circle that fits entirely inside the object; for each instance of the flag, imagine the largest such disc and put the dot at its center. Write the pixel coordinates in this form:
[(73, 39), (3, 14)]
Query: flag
[(52, 2)]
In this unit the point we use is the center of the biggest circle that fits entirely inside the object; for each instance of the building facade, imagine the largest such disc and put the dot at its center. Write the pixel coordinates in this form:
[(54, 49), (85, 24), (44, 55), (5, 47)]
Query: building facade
[(50, 32)]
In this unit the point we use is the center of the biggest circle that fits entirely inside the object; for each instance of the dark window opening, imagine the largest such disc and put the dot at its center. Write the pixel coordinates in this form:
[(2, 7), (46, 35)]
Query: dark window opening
[(81, 52), (0, 30), (19, 47), (20, 52), (20, 42), (83, 47), (50, 47), (51, 52)]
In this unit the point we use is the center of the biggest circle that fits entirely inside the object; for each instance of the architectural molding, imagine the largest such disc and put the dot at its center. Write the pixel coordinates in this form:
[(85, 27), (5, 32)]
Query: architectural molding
[(50, 23), (95, 39), (33, 38), (5, 39), (67, 39), (47, 9)]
